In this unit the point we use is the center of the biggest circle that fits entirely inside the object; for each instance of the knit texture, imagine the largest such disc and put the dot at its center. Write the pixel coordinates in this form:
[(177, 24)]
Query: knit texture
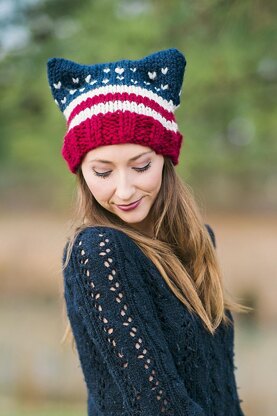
[(142, 353), (126, 101)]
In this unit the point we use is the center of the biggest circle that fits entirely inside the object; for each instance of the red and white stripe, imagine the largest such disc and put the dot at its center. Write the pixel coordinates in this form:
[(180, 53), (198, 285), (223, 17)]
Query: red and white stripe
[(109, 99)]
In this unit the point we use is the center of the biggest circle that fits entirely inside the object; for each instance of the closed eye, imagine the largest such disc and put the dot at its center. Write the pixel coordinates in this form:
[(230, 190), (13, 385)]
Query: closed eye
[(107, 174)]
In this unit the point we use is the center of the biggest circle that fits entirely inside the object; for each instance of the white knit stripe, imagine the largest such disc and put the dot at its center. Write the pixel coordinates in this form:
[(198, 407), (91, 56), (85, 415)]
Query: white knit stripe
[(112, 106), (168, 105)]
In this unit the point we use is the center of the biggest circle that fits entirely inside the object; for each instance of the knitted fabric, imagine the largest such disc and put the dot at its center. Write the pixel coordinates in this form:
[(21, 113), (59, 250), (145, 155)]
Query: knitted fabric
[(126, 101), (141, 351)]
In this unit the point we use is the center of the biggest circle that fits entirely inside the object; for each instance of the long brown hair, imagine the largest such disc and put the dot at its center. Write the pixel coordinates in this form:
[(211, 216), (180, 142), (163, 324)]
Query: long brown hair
[(181, 249)]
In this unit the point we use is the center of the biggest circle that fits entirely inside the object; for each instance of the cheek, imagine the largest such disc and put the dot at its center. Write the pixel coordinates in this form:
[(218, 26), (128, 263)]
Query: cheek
[(154, 180), (99, 188)]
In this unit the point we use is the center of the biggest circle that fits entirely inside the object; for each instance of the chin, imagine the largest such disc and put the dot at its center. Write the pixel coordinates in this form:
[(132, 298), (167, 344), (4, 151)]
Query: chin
[(133, 220), (132, 217)]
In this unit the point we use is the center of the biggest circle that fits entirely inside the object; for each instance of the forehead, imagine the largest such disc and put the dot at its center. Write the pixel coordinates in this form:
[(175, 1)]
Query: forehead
[(118, 152)]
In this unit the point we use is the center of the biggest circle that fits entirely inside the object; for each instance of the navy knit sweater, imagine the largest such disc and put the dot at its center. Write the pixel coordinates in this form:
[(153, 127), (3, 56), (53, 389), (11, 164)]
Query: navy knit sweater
[(141, 351)]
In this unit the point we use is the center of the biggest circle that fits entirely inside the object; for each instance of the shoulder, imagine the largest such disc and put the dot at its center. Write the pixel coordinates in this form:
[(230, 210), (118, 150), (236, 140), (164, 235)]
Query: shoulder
[(102, 242), (101, 236), (103, 252), (212, 234)]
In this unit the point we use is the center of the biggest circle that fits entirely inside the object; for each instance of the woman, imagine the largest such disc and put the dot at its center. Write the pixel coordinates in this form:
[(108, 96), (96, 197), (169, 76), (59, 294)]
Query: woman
[(142, 284)]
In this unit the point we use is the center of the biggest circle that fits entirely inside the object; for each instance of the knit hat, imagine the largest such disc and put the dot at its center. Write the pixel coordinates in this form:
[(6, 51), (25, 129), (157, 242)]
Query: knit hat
[(126, 101)]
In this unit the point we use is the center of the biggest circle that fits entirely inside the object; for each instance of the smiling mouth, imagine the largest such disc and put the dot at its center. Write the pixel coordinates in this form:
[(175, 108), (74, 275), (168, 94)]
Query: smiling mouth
[(132, 203)]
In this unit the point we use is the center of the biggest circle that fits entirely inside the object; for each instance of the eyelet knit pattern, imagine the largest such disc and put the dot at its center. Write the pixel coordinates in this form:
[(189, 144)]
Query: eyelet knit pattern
[(141, 351), (126, 101)]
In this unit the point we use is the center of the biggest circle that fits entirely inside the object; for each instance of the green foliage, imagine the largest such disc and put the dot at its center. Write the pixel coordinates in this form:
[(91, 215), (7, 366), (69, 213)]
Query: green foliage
[(227, 106)]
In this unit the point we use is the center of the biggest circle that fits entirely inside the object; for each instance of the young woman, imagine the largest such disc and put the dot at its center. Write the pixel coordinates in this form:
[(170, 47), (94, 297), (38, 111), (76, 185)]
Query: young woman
[(142, 285)]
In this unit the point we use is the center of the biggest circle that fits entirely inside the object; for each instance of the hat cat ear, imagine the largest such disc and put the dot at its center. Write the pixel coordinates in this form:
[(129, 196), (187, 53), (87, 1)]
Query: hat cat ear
[(165, 71), (64, 77)]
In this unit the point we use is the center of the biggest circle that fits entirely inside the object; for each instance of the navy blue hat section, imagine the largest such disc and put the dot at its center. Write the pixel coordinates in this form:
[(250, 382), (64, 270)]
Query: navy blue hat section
[(161, 72)]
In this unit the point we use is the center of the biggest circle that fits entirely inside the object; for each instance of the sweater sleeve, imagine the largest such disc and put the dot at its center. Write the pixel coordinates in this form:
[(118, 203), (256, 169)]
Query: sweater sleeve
[(211, 233), (111, 297)]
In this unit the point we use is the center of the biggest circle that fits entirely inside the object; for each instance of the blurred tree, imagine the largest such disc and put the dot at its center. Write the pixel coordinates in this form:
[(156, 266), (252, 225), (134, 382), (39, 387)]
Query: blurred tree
[(227, 114)]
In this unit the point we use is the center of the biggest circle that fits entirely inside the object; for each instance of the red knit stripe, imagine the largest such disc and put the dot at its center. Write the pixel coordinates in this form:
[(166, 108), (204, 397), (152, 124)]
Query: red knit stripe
[(102, 98), (115, 128)]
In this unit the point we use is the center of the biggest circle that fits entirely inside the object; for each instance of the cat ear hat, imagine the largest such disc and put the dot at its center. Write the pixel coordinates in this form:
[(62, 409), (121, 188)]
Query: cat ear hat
[(127, 101)]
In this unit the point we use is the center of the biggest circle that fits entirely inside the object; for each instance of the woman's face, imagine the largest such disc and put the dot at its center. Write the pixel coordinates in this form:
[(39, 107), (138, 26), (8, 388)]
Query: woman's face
[(120, 174)]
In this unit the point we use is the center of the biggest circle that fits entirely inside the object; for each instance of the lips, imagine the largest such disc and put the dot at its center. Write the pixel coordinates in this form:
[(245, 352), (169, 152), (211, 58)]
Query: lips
[(128, 205)]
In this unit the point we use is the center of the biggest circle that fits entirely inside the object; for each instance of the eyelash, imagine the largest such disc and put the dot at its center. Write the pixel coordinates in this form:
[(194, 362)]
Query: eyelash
[(106, 174)]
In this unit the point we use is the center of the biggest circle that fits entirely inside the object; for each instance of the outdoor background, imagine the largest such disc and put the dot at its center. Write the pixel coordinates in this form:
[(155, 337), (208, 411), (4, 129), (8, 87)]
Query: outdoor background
[(229, 154)]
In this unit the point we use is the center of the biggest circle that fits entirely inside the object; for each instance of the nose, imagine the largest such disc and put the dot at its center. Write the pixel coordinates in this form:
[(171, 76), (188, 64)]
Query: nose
[(125, 189)]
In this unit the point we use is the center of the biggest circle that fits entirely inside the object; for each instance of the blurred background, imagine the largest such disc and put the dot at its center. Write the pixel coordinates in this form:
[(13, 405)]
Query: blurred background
[(229, 154)]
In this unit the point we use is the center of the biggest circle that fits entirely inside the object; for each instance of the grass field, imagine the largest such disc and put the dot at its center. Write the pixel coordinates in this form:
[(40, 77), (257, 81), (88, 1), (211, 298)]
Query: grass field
[(51, 409)]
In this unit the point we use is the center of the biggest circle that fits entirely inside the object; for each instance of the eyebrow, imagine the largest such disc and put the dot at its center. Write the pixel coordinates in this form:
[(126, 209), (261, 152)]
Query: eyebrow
[(132, 158)]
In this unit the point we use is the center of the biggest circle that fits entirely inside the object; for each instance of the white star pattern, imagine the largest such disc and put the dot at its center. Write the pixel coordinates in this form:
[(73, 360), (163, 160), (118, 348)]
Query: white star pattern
[(154, 77)]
